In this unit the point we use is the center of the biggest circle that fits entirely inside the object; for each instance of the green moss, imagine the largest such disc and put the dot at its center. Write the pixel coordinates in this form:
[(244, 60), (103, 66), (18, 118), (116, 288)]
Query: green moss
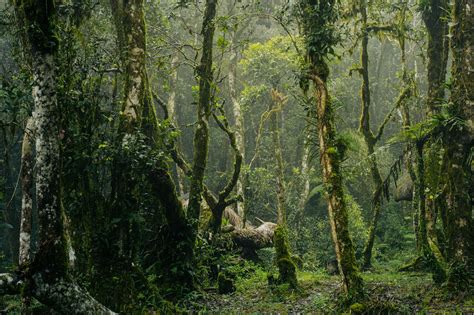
[(286, 266), (357, 308)]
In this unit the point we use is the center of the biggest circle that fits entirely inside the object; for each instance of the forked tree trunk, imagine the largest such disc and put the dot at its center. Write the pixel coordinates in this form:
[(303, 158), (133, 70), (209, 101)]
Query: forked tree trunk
[(369, 138), (139, 115), (48, 276)]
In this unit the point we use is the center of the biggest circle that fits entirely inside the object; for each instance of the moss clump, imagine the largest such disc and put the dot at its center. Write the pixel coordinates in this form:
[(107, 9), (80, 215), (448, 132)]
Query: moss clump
[(225, 284), (286, 266), (357, 308)]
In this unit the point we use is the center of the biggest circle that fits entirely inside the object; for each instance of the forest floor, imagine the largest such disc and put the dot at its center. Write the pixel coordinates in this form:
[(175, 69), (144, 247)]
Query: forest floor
[(387, 293)]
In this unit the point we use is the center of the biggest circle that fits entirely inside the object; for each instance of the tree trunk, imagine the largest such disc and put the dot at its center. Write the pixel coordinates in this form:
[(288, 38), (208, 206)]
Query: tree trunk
[(27, 163), (286, 266), (279, 101), (239, 124), (317, 16), (139, 115), (458, 145), (434, 16), (330, 162), (171, 105), (305, 170), (201, 135), (50, 282), (27, 193), (369, 138)]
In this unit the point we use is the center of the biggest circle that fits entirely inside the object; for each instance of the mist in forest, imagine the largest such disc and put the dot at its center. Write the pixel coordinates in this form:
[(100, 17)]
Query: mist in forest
[(236, 157)]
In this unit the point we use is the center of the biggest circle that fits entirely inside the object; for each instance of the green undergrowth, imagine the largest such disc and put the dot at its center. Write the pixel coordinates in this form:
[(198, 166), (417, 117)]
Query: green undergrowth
[(318, 292)]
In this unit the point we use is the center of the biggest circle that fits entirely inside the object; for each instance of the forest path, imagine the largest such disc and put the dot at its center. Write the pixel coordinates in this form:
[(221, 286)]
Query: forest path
[(388, 293)]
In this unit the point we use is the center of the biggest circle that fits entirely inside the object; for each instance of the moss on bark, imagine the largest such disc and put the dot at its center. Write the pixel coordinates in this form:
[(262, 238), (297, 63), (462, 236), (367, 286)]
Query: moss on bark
[(284, 262)]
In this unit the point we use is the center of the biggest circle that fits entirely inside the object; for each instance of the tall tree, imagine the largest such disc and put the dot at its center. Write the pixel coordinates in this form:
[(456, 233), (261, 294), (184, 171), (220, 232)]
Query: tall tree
[(370, 138), (139, 117), (239, 118), (201, 135), (458, 145), (286, 266), (318, 19), (48, 275)]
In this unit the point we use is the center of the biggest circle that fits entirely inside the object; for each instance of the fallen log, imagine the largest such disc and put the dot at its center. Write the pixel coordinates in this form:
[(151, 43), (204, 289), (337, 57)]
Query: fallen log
[(255, 238)]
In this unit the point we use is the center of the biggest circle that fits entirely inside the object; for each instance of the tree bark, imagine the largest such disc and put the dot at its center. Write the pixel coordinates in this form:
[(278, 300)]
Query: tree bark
[(139, 116), (239, 124), (330, 162), (48, 275), (278, 100), (171, 105), (201, 135), (434, 16), (458, 145), (286, 266), (369, 138), (26, 219), (27, 193)]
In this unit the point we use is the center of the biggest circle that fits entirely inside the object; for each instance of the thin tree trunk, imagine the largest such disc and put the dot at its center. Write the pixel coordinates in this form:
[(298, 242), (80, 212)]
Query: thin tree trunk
[(239, 124), (278, 100), (304, 194), (369, 137), (171, 105), (286, 266)]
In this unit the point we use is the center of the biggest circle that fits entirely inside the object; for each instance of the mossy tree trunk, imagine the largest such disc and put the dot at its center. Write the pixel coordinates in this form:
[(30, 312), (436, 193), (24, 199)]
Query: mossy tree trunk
[(458, 146), (201, 135), (318, 18), (48, 274), (332, 178), (435, 15), (286, 266), (139, 117)]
